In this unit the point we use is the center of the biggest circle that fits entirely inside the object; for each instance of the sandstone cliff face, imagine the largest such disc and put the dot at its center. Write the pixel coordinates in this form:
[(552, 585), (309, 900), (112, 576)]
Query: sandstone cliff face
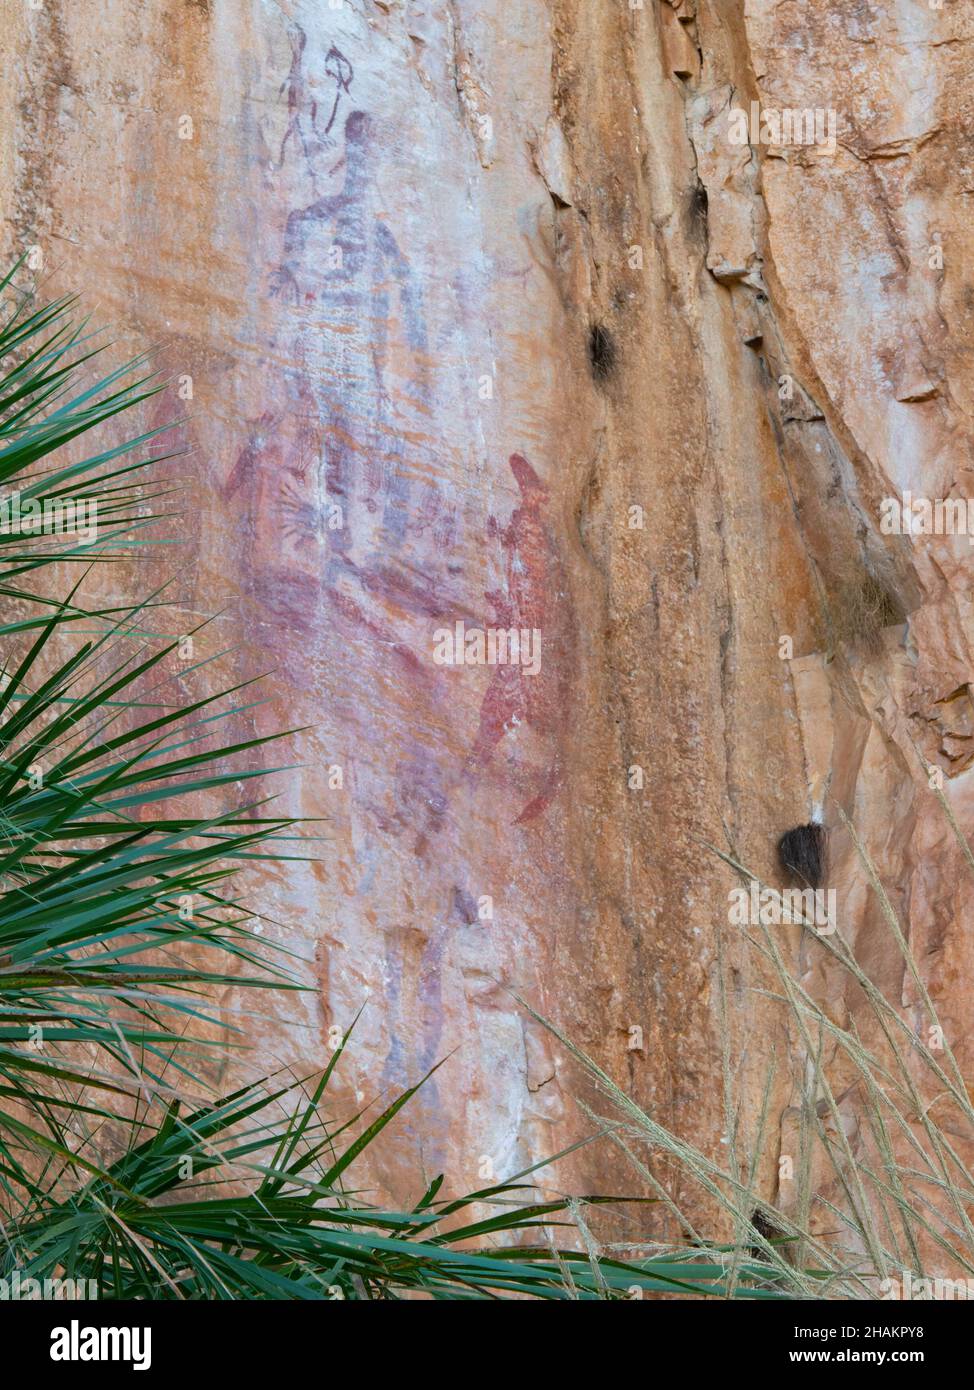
[(486, 319)]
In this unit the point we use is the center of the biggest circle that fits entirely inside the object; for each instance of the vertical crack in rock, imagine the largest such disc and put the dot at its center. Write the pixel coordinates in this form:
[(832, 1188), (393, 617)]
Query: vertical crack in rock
[(489, 322)]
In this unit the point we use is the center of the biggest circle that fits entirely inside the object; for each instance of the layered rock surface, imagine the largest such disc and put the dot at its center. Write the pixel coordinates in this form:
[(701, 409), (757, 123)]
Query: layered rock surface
[(486, 319)]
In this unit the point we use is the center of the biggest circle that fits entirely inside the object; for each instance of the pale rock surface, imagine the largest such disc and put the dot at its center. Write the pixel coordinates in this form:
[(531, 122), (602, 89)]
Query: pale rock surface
[(499, 178)]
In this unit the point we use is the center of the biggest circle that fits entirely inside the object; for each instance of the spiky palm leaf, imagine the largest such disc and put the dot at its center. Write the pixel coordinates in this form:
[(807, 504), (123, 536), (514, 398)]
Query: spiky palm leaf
[(117, 910), (159, 1223)]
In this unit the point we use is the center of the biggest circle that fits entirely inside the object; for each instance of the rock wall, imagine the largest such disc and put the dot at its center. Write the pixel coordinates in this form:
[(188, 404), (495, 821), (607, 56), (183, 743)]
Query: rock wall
[(487, 319)]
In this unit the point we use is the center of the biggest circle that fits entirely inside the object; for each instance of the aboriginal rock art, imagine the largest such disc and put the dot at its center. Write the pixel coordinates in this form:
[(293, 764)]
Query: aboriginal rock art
[(535, 596), (334, 466), (309, 124), (359, 486), (361, 533), (414, 950)]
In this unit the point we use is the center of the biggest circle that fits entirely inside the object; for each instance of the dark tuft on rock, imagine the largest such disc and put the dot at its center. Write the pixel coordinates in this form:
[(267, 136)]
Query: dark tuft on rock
[(802, 853), (601, 352), (699, 204)]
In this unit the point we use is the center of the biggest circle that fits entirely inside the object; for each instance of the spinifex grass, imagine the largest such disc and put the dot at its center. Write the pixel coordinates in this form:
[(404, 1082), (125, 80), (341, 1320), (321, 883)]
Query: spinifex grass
[(861, 1218)]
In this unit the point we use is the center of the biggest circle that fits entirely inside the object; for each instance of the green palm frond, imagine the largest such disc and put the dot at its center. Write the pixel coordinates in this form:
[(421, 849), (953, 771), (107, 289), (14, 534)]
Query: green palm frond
[(123, 818), (160, 1223)]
